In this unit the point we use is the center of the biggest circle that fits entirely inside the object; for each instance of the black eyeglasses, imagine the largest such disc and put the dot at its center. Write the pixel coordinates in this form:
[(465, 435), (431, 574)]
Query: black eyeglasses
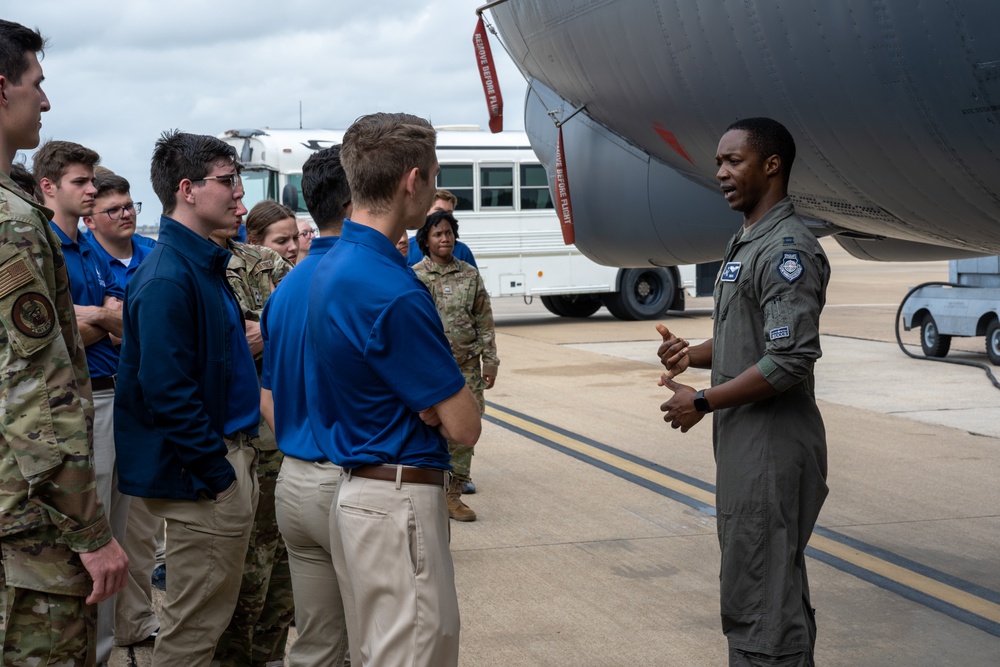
[(117, 212), (307, 234), (232, 180)]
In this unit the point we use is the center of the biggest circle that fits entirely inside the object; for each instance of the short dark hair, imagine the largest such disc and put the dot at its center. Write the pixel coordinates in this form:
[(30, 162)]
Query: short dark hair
[(15, 42), (378, 149), (325, 189), (108, 182), (433, 220), (54, 157), (769, 137), (19, 174), (179, 155)]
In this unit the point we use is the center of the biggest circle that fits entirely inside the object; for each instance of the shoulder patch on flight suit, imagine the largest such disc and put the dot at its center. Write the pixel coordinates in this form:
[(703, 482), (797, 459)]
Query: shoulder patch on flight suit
[(790, 266), (788, 240), (730, 272)]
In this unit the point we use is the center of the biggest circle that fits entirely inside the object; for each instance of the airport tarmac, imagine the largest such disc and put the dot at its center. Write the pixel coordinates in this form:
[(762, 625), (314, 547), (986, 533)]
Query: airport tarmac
[(596, 542)]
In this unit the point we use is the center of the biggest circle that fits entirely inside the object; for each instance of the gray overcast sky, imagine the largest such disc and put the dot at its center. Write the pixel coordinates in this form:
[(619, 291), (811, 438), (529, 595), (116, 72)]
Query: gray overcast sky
[(119, 72)]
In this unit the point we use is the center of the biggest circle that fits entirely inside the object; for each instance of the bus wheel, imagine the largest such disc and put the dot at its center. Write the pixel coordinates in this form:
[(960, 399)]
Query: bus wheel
[(993, 342), (934, 343), (572, 305), (644, 294)]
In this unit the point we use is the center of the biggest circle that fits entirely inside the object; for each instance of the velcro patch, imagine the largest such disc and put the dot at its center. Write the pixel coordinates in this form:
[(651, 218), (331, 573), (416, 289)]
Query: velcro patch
[(775, 334), (730, 272), (790, 266), (788, 240), (33, 315), (14, 275)]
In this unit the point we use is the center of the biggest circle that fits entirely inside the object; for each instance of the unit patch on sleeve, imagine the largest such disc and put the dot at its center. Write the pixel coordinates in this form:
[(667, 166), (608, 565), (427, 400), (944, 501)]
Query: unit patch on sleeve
[(33, 315), (790, 267), (788, 240), (775, 334), (730, 272)]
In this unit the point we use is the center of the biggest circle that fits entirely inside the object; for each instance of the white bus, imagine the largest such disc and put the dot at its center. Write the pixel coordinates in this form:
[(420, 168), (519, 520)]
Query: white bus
[(506, 217)]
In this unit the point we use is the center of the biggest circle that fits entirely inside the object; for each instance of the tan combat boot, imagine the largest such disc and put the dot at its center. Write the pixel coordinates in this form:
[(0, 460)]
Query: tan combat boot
[(458, 510)]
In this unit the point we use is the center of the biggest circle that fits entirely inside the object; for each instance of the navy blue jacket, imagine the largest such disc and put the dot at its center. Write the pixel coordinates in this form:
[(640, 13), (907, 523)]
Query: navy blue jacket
[(174, 371)]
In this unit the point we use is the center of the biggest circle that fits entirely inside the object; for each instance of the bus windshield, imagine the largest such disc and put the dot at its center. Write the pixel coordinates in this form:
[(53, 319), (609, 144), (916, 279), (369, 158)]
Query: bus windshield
[(258, 184)]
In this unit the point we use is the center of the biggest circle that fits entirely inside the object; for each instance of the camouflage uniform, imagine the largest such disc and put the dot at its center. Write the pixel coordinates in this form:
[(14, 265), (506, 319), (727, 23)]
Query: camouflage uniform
[(257, 632), (49, 509), (464, 305)]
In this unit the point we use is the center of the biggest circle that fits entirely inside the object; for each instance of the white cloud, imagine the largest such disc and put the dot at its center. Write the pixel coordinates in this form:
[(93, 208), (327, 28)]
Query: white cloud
[(119, 72)]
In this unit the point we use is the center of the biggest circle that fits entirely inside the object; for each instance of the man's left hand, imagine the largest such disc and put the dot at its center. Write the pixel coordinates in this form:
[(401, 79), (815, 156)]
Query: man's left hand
[(680, 412)]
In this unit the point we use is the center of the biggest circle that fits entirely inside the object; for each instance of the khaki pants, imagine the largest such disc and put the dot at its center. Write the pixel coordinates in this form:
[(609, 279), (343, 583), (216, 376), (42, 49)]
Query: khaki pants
[(116, 505), (302, 499), (206, 542), (390, 548), (134, 616)]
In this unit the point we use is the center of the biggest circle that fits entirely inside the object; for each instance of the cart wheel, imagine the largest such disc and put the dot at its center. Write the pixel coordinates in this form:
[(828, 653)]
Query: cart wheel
[(993, 342), (933, 343)]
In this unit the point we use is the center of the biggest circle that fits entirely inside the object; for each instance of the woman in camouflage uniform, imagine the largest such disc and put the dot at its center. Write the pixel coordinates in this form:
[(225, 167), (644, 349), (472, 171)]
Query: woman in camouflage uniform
[(464, 305)]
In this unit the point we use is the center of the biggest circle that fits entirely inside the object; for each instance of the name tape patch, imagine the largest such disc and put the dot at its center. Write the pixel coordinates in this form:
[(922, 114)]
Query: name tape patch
[(775, 334)]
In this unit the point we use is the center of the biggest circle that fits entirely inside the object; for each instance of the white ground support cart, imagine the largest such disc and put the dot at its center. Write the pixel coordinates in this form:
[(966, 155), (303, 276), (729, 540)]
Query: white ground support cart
[(967, 306)]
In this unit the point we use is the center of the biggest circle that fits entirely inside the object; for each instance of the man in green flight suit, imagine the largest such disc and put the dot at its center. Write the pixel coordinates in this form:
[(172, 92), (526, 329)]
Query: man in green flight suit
[(769, 439)]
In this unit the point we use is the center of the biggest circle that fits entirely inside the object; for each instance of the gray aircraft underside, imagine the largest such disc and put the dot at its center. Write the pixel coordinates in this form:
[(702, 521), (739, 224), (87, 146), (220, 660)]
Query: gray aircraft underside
[(894, 106)]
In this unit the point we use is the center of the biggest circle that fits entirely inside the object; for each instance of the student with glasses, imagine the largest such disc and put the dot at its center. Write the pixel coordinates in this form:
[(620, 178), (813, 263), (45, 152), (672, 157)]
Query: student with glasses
[(189, 403), (112, 225), (112, 230)]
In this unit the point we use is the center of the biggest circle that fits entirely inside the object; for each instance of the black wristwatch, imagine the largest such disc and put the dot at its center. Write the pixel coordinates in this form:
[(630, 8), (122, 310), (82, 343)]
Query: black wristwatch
[(701, 403)]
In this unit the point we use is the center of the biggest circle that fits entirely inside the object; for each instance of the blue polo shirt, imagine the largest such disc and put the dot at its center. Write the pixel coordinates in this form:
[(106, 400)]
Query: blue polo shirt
[(283, 328), (378, 356), (462, 252), (122, 272), (91, 280)]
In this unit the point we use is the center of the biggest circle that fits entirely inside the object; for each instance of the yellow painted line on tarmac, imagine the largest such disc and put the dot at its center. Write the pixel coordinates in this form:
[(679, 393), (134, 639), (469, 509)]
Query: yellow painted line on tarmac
[(918, 582)]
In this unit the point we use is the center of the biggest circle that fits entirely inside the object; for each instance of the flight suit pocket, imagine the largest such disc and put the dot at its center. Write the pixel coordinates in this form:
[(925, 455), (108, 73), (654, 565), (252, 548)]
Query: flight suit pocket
[(743, 576)]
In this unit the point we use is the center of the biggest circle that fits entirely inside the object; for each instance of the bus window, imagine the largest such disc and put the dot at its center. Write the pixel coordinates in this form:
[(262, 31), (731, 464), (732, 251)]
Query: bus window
[(496, 187), (258, 184), (297, 202), (457, 179), (534, 188)]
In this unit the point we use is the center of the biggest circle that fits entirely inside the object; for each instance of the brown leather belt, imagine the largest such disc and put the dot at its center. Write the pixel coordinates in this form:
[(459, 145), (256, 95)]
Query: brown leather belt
[(387, 473), (100, 384)]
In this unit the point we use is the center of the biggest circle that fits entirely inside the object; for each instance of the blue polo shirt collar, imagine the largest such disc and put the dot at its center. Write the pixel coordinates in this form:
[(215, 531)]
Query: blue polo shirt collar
[(374, 239)]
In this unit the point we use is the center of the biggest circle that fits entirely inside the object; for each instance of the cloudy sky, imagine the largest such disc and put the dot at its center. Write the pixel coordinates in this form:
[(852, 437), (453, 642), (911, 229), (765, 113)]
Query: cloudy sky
[(119, 72)]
